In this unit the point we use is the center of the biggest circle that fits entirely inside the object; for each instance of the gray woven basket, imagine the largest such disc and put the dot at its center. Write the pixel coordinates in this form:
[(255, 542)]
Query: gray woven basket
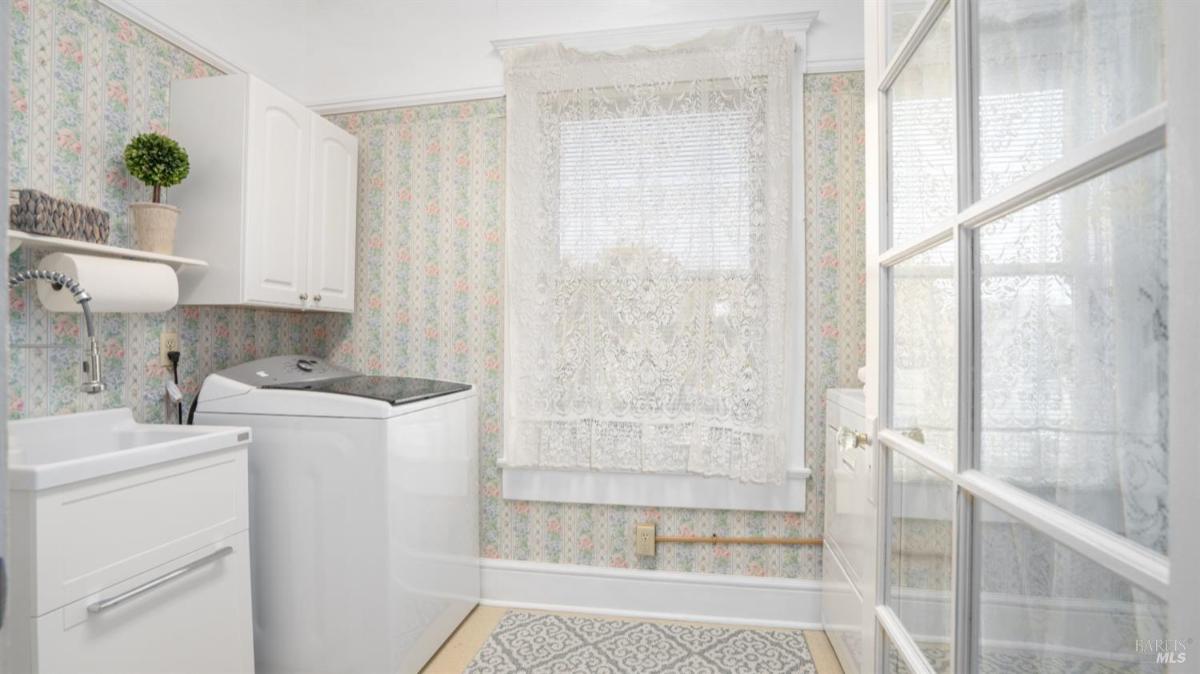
[(39, 213)]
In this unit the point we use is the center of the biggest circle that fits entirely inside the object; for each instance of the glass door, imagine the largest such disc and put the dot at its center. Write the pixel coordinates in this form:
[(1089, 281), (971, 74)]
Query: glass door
[(1020, 304)]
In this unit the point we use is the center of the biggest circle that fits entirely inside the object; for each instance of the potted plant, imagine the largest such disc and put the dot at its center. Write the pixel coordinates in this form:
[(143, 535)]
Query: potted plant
[(159, 162)]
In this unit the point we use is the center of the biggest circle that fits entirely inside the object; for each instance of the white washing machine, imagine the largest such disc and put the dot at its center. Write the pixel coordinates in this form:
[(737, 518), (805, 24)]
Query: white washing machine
[(364, 511)]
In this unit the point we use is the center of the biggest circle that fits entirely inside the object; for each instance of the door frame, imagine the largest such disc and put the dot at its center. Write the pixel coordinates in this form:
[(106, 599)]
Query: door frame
[(5, 65), (1183, 208), (1138, 137)]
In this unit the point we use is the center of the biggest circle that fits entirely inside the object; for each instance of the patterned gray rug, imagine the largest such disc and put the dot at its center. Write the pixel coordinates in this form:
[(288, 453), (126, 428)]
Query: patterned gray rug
[(533, 643)]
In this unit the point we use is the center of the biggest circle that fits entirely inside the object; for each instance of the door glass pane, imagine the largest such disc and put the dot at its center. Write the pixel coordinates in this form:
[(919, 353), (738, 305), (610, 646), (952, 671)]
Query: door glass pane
[(923, 349), (1073, 306), (919, 554), (902, 15), (1046, 608), (1054, 74), (921, 153)]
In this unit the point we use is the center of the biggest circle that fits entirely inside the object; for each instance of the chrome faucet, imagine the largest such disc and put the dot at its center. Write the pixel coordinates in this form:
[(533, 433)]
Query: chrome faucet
[(91, 361)]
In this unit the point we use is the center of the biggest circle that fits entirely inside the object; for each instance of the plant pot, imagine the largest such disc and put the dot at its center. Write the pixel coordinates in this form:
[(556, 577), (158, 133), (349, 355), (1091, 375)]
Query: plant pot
[(154, 227)]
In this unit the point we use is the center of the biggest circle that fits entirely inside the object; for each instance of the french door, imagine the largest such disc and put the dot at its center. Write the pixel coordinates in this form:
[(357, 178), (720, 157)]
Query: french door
[(1023, 287)]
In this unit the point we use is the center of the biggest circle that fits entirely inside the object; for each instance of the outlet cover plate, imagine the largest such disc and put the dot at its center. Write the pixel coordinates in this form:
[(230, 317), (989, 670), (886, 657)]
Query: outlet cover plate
[(167, 341), (643, 540)]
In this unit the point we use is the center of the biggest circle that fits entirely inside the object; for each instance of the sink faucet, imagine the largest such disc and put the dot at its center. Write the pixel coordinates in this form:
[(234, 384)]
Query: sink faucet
[(91, 362)]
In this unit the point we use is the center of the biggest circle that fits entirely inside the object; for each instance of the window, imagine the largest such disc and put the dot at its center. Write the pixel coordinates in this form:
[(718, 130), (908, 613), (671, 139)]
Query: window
[(649, 242), (699, 168)]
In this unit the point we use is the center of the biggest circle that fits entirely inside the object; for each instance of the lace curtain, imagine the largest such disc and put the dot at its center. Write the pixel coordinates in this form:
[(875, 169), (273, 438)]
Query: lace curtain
[(648, 231)]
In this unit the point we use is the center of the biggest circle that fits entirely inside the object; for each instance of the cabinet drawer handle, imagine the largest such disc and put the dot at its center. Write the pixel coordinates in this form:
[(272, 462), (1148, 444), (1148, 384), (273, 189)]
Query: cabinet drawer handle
[(303, 296), (317, 298), (105, 604)]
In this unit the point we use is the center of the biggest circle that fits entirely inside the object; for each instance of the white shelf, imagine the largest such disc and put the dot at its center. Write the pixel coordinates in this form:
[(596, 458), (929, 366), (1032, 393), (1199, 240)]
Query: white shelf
[(16, 239)]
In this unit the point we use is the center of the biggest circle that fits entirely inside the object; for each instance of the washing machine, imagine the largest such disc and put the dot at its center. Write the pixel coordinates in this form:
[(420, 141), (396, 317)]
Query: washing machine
[(364, 511)]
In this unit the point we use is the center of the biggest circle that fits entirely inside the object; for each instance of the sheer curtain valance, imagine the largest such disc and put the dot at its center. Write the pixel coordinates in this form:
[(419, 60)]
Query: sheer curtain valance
[(648, 233)]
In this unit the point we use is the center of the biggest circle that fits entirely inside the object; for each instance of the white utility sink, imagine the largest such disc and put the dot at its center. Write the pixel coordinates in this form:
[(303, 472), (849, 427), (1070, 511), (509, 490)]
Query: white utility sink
[(47, 452)]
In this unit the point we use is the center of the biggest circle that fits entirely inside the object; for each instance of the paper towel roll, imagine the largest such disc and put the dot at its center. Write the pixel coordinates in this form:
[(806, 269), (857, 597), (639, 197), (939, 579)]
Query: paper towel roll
[(115, 285)]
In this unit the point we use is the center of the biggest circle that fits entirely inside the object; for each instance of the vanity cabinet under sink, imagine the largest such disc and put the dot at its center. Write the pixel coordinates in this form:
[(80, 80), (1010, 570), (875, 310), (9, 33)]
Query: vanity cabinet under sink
[(270, 201), (129, 547)]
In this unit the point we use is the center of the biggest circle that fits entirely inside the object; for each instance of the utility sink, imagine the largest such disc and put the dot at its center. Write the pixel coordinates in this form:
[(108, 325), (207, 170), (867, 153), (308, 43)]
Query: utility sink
[(48, 452)]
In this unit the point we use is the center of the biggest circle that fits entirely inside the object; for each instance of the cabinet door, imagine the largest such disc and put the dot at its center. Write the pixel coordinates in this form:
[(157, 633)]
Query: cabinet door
[(331, 232), (276, 250)]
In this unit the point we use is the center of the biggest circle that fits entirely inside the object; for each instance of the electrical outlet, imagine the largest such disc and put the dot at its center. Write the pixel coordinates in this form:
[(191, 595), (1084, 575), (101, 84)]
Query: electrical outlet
[(167, 341), (643, 540)]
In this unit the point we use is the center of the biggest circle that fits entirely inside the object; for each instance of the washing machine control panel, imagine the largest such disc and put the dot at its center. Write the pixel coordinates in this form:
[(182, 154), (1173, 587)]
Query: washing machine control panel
[(280, 370)]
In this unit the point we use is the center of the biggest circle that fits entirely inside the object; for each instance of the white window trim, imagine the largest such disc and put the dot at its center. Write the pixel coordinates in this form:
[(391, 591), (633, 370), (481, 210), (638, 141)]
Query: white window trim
[(658, 490), (697, 491)]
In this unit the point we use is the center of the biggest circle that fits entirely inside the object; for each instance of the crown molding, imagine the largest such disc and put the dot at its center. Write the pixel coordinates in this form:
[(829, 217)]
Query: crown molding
[(794, 24), (172, 35), (335, 107)]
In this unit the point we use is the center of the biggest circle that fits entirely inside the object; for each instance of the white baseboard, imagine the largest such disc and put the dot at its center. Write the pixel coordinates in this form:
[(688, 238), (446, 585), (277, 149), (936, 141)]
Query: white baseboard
[(664, 595)]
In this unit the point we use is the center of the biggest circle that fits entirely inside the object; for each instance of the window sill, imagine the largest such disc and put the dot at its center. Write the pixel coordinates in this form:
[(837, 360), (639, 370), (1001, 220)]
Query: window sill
[(654, 490)]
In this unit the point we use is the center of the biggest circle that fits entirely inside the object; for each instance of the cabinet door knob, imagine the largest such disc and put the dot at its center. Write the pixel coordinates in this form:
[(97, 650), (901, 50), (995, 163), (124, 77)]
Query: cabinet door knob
[(317, 298), (303, 296)]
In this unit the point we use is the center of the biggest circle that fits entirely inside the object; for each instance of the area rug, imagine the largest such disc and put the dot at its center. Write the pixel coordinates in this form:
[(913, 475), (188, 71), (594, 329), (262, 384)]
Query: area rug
[(534, 643)]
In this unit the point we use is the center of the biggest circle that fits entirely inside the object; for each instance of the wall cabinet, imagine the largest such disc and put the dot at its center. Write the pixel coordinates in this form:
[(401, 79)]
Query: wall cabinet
[(270, 200)]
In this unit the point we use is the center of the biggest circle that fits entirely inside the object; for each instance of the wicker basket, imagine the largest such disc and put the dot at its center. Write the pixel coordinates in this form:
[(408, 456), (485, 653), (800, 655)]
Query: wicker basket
[(39, 213)]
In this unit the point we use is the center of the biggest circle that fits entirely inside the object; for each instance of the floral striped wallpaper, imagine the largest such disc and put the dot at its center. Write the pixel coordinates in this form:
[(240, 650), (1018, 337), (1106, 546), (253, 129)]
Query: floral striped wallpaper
[(83, 82), (431, 195), (431, 204)]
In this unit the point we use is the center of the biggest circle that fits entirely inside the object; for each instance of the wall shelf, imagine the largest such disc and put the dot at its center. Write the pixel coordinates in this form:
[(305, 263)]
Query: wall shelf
[(16, 239)]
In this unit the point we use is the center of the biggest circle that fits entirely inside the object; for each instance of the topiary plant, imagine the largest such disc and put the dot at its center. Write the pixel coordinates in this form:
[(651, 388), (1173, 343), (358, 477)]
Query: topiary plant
[(157, 161)]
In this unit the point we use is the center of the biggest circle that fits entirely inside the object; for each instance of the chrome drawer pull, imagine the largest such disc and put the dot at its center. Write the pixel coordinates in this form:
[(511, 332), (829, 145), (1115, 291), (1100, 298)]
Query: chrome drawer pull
[(105, 604)]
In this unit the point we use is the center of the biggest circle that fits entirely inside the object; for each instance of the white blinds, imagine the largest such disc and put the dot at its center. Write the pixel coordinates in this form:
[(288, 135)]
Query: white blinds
[(680, 184), (647, 257)]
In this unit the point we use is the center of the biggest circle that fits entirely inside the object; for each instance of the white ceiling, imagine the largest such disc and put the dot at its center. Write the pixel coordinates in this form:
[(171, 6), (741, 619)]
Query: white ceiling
[(330, 52)]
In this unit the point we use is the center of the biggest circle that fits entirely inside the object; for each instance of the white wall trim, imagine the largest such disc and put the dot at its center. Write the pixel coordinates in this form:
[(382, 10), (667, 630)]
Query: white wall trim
[(334, 107), (795, 24), (172, 35), (833, 66), (654, 489), (664, 595)]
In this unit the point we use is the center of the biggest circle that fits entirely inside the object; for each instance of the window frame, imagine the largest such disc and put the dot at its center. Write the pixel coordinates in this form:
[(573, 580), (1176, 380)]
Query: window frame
[(691, 490)]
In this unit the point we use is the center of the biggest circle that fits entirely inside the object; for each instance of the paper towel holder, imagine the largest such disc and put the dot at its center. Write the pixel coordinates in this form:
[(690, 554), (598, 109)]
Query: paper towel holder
[(120, 286)]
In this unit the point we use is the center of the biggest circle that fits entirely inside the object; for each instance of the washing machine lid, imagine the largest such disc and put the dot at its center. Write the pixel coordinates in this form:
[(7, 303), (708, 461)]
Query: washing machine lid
[(279, 370), (308, 386), (391, 390)]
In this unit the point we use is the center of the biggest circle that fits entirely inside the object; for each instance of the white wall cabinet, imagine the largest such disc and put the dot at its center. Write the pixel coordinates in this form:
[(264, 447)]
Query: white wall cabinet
[(270, 200), (333, 190)]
